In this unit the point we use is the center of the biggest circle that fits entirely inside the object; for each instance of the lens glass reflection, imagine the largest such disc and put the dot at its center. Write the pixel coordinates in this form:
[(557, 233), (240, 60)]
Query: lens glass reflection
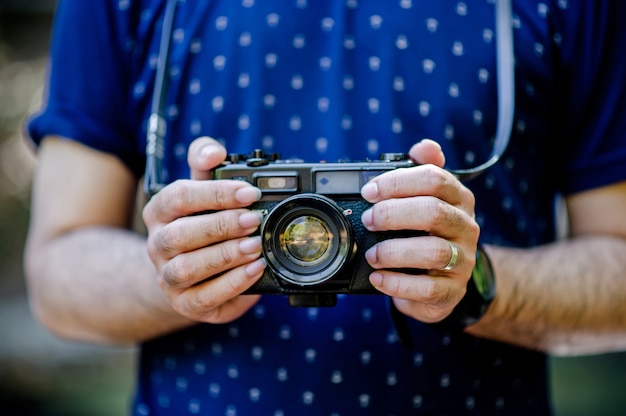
[(307, 240)]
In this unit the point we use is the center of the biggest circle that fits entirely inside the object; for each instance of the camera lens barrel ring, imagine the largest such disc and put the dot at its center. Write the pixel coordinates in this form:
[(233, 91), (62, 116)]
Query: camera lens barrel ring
[(307, 239)]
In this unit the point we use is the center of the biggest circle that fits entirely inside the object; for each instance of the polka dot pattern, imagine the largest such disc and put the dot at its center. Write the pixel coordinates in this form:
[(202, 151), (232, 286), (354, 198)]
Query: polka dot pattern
[(347, 79)]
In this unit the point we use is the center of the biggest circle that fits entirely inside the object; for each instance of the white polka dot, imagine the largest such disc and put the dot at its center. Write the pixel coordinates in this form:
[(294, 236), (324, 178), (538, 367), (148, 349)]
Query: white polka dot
[(364, 400), (281, 374), (327, 24), (453, 90), (376, 21), (297, 82), (221, 23), (428, 65), (195, 46), (396, 125), (273, 19), (214, 390), (243, 123), (402, 42), (487, 35), (323, 103), (295, 123), (374, 63), (374, 105), (432, 25), (348, 42), (270, 60), (398, 84), (195, 87), (269, 101), (348, 82), (244, 80), (217, 104), (194, 407), (336, 377), (346, 122), (245, 39), (254, 394), (461, 9), (372, 146), (457, 48), (232, 371), (325, 63), (299, 41), (219, 62)]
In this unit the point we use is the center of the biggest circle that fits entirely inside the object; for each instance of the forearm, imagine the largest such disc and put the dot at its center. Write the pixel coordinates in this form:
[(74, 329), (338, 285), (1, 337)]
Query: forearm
[(565, 298), (98, 285)]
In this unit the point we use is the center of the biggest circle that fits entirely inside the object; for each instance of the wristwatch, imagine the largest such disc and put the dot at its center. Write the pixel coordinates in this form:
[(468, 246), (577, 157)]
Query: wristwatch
[(481, 289)]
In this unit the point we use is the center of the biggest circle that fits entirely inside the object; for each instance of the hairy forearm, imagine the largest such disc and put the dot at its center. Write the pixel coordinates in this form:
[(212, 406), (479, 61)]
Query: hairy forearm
[(98, 285), (565, 298)]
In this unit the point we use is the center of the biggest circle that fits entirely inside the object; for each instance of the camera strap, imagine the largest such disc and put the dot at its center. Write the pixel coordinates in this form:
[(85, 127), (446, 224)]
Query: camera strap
[(505, 66)]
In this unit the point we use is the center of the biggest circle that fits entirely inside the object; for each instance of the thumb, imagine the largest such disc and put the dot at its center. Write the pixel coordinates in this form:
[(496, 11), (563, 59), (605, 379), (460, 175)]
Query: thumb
[(427, 152), (204, 154)]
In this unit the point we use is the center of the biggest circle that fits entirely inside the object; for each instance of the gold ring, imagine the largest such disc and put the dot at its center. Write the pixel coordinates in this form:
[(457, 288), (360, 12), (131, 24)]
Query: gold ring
[(453, 257)]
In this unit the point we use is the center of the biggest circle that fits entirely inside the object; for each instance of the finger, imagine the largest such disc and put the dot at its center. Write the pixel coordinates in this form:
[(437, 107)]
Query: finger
[(189, 269), (427, 152), (427, 298), (219, 300), (187, 197), (426, 252), (204, 154), (416, 181), (190, 233), (425, 213)]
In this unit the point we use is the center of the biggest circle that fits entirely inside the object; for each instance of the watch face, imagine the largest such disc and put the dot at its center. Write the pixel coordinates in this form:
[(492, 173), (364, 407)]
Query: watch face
[(483, 275)]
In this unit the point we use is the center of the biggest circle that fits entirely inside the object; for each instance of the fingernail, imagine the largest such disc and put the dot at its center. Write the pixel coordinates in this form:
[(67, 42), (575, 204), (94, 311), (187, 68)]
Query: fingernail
[(250, 245), (371, 256), (205, 152), (248, 195), (250, 219), (255, 267), (370, 191), (366, 218), (376, 279)]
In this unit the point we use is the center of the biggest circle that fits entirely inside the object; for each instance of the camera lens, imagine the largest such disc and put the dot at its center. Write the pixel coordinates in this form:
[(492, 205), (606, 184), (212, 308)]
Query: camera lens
[(307, 240)]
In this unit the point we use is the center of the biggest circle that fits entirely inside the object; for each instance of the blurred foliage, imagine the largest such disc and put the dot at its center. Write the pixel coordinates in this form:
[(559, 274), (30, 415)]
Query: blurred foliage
[(43, 376)]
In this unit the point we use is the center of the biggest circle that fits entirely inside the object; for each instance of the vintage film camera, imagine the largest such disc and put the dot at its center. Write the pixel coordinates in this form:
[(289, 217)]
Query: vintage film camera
[(312, 236)]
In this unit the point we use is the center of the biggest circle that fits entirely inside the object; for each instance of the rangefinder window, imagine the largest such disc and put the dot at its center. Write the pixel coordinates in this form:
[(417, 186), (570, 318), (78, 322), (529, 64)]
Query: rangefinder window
[(277, 183), (338, 182)]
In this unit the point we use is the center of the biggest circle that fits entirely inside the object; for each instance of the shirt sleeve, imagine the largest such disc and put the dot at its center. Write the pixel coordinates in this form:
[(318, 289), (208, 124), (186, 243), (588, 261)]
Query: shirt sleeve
[(594, 94), (87, 92)]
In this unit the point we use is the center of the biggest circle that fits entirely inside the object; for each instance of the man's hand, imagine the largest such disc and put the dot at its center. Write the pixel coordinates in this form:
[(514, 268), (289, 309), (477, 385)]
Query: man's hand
[(425, 198), (199, 240)]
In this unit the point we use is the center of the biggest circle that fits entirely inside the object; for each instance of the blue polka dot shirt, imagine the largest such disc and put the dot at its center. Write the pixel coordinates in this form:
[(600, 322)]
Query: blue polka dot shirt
[(350, 79)]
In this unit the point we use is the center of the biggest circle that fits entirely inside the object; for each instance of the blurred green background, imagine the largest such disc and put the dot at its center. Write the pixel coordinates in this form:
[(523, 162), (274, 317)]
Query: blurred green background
[(41, 375)]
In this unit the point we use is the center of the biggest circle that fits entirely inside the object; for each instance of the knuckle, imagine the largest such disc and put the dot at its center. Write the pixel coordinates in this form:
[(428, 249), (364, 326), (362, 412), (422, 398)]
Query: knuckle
[(438, 294), (175, 273), (442, 254), (167, 240), (219, 227), (382, 213), (221, 259)]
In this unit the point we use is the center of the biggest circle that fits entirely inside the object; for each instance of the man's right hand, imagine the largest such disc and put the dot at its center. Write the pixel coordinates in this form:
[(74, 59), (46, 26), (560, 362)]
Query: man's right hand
[(199, 240)]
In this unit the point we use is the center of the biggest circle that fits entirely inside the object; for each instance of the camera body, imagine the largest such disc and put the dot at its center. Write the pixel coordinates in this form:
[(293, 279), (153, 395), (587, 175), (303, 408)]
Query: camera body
[(312, 236)]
